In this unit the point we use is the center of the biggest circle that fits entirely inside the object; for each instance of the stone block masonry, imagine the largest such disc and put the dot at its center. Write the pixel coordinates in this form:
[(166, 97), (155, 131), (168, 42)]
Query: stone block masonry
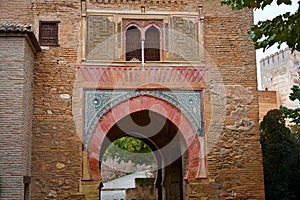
[(144, 189), (279, 72)]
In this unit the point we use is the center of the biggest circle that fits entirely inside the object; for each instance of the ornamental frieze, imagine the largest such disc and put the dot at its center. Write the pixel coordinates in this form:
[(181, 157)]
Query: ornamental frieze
[(99, 102)]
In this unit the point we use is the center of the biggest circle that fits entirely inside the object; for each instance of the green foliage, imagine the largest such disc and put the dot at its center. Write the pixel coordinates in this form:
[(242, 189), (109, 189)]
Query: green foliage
[(284, 28), (293, 114), (132, 144), (130, 149), (296, 130), (281, 151), (296, 93), (280, 158), (260, 4)]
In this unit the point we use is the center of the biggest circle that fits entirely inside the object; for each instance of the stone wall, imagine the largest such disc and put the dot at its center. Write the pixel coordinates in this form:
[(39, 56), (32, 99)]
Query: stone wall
[(234, 158), (113, 168), (279, 72), (16, 78), (144, 189)]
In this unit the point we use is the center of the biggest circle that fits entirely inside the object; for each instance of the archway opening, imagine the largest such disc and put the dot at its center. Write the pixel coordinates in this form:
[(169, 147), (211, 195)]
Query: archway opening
[(127, 155), (168, 147)]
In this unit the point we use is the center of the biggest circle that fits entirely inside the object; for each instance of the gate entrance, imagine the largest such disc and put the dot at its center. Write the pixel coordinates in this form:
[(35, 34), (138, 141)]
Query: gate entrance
[(169, 122), (167, 145)]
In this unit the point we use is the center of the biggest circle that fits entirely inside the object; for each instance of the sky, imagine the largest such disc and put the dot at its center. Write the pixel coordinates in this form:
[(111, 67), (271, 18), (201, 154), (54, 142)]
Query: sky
[(270, 12)]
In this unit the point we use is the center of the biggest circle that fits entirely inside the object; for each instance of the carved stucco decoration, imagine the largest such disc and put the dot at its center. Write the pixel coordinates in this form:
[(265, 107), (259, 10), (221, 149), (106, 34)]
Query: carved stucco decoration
[(98, 102), (100, 38), (141, 23)]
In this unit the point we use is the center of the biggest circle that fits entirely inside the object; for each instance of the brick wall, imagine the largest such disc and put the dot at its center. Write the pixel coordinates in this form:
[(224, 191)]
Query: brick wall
[(267, 101), (56, 153), (17, 11), (16, 71)]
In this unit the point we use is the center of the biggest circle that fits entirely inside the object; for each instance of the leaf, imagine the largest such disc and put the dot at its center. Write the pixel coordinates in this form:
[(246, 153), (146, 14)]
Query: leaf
[(286, 27), (287, 2)]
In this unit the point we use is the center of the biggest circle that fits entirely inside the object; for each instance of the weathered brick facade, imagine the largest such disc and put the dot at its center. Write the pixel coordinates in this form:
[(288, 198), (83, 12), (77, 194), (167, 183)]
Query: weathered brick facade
[(17, 53), (56, 163), (90, 55), (18, 11), (267, 101)]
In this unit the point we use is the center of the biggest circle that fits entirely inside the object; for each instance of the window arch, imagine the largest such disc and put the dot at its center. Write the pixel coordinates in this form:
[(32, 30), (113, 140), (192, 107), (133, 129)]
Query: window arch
[(143, 42), (152, 44), (133, 44)]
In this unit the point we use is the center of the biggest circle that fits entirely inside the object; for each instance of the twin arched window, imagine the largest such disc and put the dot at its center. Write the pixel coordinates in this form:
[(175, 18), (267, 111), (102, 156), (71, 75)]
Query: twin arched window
[(134, 46)]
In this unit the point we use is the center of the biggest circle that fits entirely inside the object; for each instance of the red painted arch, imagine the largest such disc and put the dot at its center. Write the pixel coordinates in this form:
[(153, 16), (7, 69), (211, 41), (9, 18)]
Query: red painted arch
[(152, 104)]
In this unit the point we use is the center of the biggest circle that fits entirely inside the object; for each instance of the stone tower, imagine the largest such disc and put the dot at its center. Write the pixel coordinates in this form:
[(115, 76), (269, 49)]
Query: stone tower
[(279, 72)]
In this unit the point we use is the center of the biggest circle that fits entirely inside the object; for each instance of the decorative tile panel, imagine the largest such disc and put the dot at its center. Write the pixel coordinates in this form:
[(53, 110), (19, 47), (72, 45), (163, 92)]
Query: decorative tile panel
[(143, 2), (98, 102)]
